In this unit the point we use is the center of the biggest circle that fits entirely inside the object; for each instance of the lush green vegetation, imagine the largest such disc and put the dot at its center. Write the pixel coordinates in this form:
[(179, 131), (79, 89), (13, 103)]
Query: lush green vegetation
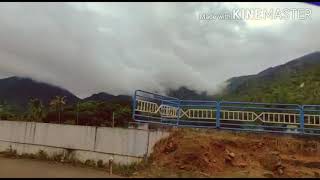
[(299, 87), (95, 113), (6, 111)]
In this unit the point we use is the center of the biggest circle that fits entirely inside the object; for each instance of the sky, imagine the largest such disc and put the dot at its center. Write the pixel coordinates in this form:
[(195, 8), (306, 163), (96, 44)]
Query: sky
[(117, 48)]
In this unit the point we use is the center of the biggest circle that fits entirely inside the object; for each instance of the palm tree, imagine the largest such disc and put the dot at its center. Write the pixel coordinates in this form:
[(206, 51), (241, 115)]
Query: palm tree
[(57, 103), (36, 112)]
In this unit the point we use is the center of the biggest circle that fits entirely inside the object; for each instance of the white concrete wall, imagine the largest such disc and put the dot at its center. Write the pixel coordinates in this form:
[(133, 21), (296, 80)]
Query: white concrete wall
[(15, 131), (66, 136), (130, 142), (80, 155), (87, 142)]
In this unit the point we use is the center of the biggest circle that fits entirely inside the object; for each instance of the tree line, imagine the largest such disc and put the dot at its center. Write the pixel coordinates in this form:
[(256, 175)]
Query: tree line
[(95, 113)]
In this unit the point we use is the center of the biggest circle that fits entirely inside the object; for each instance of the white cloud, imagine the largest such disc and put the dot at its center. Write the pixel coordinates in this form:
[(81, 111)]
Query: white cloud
[(120, 47)]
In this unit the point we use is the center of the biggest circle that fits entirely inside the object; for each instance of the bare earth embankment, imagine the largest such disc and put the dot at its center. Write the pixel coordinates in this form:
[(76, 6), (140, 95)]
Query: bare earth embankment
[(199, 153)]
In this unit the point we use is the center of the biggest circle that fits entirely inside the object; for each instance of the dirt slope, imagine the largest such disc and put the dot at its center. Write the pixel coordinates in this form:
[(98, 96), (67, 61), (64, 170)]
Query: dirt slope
[(204, 153)]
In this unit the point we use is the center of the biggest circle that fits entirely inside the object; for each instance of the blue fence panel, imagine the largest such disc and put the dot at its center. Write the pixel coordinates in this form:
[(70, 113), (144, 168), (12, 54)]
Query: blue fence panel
[(311, 119), (197, 113), (155, 108), (260, 116), (266, 117)]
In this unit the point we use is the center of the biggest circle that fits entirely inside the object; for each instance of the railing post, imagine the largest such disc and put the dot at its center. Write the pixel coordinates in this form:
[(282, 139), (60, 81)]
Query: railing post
[(178, 113), (218, 108), (134, 104), (160, 111), (301, 119)]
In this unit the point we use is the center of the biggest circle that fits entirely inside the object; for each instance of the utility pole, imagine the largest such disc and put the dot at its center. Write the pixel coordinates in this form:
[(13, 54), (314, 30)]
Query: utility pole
[(77, 121), (112, 119), (59, 115), (110, 165), (1, 109)]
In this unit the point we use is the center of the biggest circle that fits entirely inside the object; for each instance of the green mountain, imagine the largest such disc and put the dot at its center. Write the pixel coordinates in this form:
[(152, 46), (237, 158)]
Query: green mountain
[(297, 81), (108, 97), (16, 92)]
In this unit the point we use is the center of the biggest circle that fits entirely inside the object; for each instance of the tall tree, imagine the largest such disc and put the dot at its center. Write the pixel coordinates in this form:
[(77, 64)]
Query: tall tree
[(36, 110), (58, 103)]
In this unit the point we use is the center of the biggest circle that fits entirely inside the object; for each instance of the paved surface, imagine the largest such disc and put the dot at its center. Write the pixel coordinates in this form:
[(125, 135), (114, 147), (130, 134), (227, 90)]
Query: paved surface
[(29, 168)]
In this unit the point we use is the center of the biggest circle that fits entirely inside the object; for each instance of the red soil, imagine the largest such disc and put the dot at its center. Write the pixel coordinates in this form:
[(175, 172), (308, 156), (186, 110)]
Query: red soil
[(227, 154)]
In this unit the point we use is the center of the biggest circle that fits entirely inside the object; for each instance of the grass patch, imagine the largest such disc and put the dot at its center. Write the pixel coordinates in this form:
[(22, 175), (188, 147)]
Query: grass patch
[(90, 163), (10, 153), (100, 164), (27, 156), (130, 169), (42, 155), (57, 157)]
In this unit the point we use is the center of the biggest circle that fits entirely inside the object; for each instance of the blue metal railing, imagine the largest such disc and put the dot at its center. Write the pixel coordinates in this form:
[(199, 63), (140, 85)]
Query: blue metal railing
[(266, 117)]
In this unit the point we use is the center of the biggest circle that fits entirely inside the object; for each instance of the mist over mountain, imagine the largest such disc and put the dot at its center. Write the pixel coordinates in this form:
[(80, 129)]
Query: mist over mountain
[(262, 86), (295, 81), (188, 94)]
